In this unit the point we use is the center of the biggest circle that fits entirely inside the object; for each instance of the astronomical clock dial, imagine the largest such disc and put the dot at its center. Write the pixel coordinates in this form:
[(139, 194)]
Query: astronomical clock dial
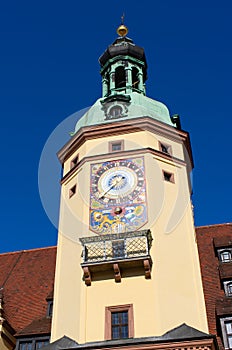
[(118, 196)]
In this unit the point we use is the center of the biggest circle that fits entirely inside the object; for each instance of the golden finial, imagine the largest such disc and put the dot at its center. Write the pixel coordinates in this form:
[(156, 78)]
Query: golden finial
[(122, 29)]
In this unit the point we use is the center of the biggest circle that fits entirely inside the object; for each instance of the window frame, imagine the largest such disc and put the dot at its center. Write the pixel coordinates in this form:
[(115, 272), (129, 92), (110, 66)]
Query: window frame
[(120, 78), (74, 161), (135, 78), (224, 250), (226, 285), (112, 143), (225, 334), (49, 307), (108, 320), (167, 146), (171, 177), (33, 341), (72, 191)]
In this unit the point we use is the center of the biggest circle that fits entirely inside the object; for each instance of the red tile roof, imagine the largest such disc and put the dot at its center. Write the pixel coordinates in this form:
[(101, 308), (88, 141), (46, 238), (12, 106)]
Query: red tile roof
[(36, 327), (27, 278)]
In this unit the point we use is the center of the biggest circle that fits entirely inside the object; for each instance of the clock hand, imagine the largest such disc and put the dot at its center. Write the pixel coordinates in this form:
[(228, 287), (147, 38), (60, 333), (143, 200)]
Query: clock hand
[(119, 179), (116, 182), (110, 188), (104, 193)]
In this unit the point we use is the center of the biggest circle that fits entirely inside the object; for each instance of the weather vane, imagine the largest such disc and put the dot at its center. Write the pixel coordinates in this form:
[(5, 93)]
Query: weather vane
[(122, 29), (122, 18)]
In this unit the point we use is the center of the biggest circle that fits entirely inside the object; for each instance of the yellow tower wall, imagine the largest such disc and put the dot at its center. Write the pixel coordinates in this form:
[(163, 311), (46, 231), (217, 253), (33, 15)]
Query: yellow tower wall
[(174, 293)]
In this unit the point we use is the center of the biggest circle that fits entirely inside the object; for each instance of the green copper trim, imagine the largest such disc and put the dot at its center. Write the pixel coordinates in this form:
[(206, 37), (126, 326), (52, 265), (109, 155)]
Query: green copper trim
[(120, 107), (121, 58)]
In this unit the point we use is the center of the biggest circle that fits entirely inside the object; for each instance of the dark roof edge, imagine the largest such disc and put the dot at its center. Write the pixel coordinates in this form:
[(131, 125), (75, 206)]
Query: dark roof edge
[(138, 341), (214, 225)]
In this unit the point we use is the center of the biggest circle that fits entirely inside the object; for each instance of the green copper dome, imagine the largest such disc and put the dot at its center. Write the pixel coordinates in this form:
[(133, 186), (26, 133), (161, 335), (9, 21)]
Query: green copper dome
[(124, 107), (124, 73)]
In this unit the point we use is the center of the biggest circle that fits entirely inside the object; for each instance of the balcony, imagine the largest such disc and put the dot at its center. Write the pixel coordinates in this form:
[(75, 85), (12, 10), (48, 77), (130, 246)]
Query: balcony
[(120, 255)]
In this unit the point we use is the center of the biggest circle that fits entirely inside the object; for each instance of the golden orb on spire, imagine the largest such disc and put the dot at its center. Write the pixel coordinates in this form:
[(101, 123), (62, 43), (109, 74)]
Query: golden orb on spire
[(122, 30)]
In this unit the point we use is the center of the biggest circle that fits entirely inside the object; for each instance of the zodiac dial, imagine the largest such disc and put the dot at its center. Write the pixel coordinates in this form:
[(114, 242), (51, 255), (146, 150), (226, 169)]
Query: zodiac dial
[(117, 200)]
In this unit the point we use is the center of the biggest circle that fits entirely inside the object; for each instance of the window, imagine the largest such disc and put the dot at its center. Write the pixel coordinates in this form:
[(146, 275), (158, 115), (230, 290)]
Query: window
[(116, 146), (165, 148), (169, 177), (74, 162), (120, 77), (119, 323), (25, 345), (49, 308), (72, 191), (225, 255), (115, 112), (32, 343), (228, 288), (107, 81), (118, 249), (135, 78), (226, 326), (40, 343)]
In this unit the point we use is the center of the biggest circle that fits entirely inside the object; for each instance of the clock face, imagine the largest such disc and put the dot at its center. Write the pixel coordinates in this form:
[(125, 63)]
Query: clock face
[(118, 182), (117, 195)]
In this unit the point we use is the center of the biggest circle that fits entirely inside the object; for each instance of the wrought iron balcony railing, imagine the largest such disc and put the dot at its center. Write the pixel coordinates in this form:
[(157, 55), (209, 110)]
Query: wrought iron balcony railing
[(122, 250)]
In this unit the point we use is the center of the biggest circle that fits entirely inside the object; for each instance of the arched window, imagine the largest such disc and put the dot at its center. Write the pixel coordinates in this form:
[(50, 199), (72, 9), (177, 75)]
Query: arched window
[(115, 111), (120, 77), (225, 255), (135, 78)]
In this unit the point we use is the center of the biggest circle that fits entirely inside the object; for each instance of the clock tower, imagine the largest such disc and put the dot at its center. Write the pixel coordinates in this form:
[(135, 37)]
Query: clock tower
[(127, 261)]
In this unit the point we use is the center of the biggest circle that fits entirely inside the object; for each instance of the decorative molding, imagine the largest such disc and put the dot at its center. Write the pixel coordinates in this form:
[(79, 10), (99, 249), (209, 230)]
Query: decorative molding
[(116, 97), (199, 344), (123, 154), (124, 127), (115, 110)]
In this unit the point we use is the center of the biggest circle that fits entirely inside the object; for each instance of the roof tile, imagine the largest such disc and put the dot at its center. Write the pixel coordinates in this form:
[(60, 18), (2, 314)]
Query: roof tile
[(27, 278)]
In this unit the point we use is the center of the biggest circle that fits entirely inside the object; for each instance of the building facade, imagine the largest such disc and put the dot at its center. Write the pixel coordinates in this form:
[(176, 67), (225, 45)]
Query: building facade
[(127, 271), (215, 252)]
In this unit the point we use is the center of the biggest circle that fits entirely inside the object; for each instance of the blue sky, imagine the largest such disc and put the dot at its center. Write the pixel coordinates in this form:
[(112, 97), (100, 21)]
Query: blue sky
[(49, 69)]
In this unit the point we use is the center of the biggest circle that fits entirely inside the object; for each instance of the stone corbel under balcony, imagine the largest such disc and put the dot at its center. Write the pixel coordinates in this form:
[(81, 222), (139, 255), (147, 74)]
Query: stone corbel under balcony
[(117, 255)]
